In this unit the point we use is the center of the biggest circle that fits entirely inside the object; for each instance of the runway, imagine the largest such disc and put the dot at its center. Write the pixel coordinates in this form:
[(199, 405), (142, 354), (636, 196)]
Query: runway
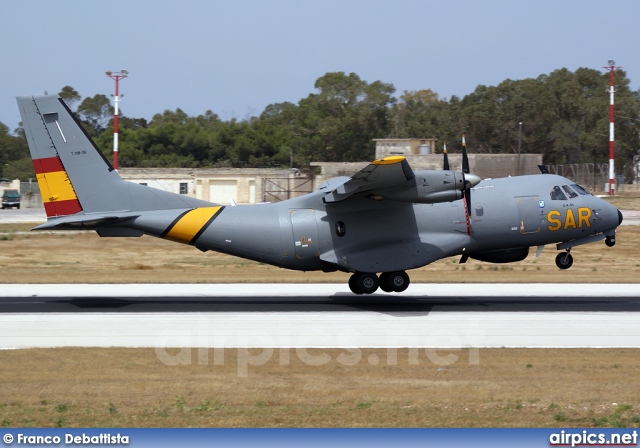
[(319, 316)]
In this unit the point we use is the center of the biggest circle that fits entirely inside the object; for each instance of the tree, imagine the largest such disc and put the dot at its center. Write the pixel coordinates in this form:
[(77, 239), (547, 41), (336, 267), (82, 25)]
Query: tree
[(417, 114), (564, 116), (19, 169), (13, 148), (70, 96), (95, 112), (341, 120)]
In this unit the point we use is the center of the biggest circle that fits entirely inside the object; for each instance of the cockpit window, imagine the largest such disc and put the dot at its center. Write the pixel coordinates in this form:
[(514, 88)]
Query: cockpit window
[(567, 189), (557, 194), (580, 190)]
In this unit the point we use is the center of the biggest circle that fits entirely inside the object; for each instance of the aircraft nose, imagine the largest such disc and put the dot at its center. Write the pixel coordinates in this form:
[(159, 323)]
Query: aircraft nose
[(619, 217), (471, 180)]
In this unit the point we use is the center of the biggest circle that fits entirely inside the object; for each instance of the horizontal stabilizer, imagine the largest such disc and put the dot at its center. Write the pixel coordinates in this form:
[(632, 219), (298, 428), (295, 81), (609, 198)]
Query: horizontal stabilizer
[(88, 222)]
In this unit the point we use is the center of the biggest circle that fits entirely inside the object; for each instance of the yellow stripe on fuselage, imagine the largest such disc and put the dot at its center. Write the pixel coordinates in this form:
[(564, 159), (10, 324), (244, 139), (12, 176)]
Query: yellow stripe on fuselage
[(190, 224), (388, 160), (55, 186)]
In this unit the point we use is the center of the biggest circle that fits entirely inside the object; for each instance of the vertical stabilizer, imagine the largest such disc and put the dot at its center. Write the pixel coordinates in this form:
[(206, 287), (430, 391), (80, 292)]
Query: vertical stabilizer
[(74, 176), (72, 173)]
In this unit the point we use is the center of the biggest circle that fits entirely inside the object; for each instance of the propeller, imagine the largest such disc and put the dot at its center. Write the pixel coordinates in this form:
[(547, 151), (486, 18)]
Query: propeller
[(445, 165), (470, 180)]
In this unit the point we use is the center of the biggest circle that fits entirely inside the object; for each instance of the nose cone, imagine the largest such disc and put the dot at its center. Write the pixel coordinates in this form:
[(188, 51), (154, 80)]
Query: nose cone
[(471, 180), (619, 217)]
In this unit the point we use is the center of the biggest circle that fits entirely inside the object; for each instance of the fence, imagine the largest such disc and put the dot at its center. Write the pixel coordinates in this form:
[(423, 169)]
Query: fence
[(593, 176), (276, 189), (30, 195)]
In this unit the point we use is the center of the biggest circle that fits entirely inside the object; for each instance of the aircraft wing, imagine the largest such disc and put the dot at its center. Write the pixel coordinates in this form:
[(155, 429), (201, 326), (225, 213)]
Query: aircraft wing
[(381, 174)]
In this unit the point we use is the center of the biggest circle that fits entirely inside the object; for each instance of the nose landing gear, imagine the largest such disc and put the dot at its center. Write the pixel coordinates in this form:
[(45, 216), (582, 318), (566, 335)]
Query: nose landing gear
[(610, 241), (366, 283), (564, 260)]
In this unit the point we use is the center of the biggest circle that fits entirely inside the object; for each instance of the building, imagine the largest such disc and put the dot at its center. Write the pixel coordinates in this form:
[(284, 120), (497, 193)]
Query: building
[(224, 185), (404, 146)]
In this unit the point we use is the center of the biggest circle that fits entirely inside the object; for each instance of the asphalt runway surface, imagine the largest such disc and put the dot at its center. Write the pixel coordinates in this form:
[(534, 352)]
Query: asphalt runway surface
[(319, 315)]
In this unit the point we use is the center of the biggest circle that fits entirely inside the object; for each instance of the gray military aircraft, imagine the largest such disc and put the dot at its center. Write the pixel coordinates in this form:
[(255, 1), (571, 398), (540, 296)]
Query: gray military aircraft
[(385, 219)]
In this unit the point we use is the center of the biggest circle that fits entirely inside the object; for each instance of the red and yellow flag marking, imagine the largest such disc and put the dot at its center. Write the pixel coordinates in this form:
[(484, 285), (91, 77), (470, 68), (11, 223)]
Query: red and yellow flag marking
[(188, 227), (58, 195)]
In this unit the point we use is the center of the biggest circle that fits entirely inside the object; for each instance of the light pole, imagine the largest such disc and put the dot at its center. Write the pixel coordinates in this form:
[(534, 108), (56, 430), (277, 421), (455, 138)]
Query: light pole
[(519, 143), (117, 76), (612, 69)]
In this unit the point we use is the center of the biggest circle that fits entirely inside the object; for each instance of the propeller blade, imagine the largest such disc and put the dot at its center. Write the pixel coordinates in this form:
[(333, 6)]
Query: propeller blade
[(467, 191), (465, 158), (467, 198), (445, 165)]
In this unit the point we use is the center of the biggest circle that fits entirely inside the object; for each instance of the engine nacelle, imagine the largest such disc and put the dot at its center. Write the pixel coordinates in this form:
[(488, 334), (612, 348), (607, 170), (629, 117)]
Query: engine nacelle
[(433, 186)]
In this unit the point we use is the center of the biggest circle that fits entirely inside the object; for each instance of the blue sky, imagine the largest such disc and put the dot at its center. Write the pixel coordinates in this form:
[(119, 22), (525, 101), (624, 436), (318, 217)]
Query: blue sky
[(236, 57)]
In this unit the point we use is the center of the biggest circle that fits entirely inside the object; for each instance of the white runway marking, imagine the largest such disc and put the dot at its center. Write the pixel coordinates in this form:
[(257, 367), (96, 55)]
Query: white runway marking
[(319, 315)]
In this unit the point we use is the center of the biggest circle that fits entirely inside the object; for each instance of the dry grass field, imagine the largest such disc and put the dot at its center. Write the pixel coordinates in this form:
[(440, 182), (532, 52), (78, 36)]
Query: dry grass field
[(507, 388), (73, 387)]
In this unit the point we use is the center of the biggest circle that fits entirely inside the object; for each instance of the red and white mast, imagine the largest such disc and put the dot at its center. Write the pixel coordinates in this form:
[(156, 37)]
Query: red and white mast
[(612, 68), (117, 76)]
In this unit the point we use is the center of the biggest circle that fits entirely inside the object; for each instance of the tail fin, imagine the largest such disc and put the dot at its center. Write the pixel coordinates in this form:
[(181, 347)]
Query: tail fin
[(73, 174)]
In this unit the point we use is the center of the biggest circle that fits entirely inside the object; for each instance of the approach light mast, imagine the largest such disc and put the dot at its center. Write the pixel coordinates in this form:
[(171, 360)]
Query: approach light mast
[(612, 69), (117, 76)]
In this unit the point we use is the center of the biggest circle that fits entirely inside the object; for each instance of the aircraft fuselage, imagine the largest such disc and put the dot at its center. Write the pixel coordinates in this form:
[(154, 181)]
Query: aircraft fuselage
[(365, 235)]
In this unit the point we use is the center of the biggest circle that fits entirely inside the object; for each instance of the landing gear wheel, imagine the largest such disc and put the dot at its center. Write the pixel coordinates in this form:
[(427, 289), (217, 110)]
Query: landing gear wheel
[(363, 283), (353, 286), (396, 281), (564, 260), (385, 282), (399, 281), (610, 241)]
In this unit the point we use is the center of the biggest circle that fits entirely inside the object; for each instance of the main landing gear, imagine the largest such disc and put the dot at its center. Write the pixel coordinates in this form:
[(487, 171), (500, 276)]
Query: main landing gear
[(366, 283)]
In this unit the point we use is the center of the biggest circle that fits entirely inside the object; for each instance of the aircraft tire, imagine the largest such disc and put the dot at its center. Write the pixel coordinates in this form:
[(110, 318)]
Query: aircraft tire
[(564, 260), (398, 281), (610, 241), (385, 282), (353, 286), (363, 283)]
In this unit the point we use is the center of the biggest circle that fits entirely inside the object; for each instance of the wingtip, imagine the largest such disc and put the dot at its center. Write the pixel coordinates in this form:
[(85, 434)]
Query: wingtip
[(388, 160)]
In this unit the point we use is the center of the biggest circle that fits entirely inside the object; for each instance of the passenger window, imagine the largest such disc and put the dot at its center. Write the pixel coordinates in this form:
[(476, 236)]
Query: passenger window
[(581, 190), (572, 194), (557, 194)]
